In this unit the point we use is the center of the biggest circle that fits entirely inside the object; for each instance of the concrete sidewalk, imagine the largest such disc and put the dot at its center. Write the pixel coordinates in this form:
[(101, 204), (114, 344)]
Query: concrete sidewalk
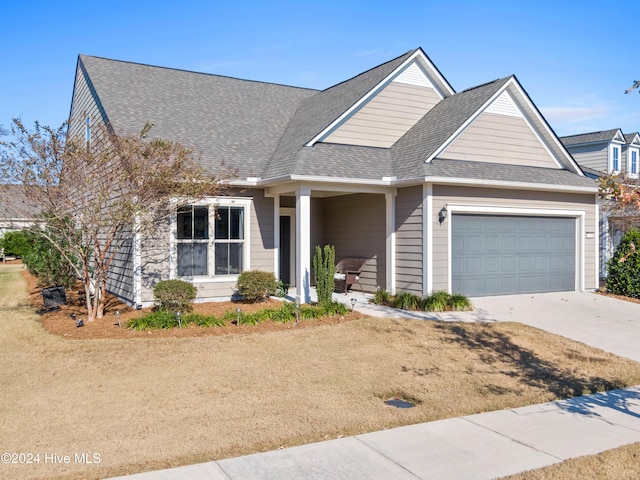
[(483, 446)]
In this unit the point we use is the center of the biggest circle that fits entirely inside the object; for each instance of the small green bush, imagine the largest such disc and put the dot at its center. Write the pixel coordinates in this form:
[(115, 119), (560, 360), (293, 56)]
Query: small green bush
[(382, 297), (407, 301), (283, 289), (18, 243), (285, 313), (256, 286), (624, 267), (324, 267), (459, 303), (174, 295), (159, 319), (438, 301)]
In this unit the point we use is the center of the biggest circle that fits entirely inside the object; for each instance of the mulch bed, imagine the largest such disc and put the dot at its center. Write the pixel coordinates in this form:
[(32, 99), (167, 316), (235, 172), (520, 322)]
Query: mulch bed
[(59, 322)]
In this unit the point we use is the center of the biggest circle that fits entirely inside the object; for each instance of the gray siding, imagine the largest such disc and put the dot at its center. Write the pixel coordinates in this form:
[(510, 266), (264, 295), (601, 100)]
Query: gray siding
[(120, 275), (85, 103), (156, 252), (409, 243), (592, 156), (355, 225), (452, 195), (386, 117), (499, 139)]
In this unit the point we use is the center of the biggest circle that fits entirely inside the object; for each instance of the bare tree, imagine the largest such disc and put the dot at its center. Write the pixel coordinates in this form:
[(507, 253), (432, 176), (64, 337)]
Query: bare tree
[(97, 196), (636, 84)]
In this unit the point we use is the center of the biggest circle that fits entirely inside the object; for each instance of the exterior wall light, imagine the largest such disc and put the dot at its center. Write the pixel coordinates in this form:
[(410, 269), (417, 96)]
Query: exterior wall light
[(442, 214)]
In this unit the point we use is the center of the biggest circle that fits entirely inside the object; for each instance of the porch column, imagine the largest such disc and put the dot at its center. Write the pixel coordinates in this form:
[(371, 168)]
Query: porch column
[(427, 239), (276, 236), (303, 244), (390, 202)]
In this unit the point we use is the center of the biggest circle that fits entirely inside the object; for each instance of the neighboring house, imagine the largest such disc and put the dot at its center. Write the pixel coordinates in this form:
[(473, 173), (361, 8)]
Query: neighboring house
[(16, 211), (469, 192), (602, 153)]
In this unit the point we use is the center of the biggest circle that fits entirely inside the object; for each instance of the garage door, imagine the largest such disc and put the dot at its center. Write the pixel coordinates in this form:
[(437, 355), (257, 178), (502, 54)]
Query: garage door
[(498, 255)]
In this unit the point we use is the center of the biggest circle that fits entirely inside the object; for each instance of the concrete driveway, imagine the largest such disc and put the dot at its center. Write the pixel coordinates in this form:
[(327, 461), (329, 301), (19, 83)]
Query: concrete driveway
[(597, 320)]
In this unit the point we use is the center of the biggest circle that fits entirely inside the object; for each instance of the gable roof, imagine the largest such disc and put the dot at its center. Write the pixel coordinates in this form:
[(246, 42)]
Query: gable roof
[(319, 111), (630, 138), (15, 203), (592, 137), (269, 132), (231, 122)]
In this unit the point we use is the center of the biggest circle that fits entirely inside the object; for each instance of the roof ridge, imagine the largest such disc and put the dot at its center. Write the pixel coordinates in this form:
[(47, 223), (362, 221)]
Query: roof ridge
[(485, 84), (592, 133), (368, 70), (182, 70)]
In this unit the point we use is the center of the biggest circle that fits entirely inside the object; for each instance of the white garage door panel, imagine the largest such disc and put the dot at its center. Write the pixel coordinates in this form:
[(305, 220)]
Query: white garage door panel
[(497, 255)]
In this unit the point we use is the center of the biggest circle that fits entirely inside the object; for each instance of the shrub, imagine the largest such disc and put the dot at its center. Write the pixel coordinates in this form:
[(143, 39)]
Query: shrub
[(624, 267), (459, 303), (324, 266), (18, 243), (406, 301), (283, 289), (46, 263), (155, 320), (256, 286), (174, 295), (438, 301), (382, 297)]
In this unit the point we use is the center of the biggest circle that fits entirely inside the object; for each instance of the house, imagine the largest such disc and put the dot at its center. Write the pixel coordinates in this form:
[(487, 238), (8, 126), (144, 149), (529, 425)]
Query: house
[(16, 211), (605, 152), (602, 153), (469, 192)]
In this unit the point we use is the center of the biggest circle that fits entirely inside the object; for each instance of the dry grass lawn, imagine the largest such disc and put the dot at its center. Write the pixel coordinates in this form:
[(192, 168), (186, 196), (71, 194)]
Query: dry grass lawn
[(149, 403), (619, 464)]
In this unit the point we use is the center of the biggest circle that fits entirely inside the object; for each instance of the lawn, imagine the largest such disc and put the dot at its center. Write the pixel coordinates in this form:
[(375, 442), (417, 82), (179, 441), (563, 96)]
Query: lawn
[(148, 403)]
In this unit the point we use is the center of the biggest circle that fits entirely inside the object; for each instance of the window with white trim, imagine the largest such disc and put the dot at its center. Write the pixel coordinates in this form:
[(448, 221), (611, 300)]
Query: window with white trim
[(615, 161), (633, 164), (210, 239)]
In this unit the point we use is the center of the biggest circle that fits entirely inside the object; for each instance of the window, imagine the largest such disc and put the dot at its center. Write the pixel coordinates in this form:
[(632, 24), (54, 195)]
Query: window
[(210, 241), (229, 240), (616, 159), (633, 168)]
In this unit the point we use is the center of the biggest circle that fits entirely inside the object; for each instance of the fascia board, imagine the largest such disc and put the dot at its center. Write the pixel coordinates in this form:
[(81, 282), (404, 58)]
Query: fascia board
[(419, 54), (547, 187)]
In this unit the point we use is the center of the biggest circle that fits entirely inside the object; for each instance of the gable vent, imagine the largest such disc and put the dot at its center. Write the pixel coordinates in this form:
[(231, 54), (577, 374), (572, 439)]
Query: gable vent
[(413, 75), (504, 105)]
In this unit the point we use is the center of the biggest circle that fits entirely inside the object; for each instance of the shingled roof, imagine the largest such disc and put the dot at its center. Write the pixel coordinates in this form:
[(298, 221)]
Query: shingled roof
[(261, 129), (231, 122), (592, 137)]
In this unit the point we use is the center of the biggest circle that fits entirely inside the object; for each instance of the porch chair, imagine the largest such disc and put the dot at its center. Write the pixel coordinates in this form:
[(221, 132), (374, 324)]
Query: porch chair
[(348, 272)]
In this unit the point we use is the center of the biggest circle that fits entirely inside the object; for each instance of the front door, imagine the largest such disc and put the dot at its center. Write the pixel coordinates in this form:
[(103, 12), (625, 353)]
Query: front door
[(285, 248)]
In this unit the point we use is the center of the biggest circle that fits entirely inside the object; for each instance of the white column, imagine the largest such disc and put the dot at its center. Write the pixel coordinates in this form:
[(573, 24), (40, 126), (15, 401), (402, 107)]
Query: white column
[(303, 244), (427, 239), (390, 201), (276, 236)]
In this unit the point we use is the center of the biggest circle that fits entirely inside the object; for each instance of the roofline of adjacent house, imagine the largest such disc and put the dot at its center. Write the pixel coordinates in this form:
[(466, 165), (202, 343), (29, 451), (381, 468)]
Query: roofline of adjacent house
[(395, 182), (596, 143)]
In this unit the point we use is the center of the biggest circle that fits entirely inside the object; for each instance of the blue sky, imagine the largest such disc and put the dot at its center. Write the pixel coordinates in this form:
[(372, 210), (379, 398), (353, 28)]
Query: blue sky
[(575, 59)]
